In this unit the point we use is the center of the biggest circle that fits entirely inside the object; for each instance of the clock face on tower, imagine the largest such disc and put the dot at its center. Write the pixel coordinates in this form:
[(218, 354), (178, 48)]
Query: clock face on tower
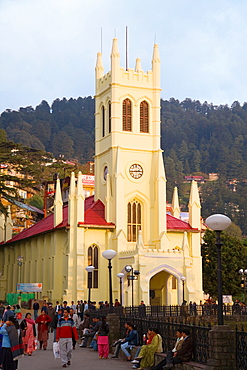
[(136, 171)]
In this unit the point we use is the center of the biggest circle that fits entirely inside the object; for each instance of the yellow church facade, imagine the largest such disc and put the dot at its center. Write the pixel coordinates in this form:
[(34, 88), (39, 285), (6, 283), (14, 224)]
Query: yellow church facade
[(127, 213)]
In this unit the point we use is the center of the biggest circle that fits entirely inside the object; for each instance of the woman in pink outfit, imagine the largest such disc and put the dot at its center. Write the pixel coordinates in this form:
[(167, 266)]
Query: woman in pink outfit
[(103, 344), (28, 334)]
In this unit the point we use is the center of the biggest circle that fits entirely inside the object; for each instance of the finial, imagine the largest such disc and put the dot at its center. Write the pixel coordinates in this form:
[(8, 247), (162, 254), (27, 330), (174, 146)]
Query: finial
[(138, 65)]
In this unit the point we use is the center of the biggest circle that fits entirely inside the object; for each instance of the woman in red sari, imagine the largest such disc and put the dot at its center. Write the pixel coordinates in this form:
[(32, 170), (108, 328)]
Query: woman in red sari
[(43, 325), (28, 334)]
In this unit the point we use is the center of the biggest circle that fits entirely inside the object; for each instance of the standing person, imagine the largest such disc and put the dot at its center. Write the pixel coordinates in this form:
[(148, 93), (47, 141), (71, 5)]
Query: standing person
[(65, 330), (75, 318), (57, 316), (2, 309), (65, 305), (8, 313), (11, 346), (44, 307), (73, 306), (103, 343), (43, 323), (142, 309), (51, 312), (28, 334), (35, 309), (57, 307)]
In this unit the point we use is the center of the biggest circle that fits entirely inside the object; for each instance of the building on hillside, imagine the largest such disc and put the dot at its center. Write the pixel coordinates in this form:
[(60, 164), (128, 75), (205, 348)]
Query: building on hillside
[(22, 214), (127, 212)]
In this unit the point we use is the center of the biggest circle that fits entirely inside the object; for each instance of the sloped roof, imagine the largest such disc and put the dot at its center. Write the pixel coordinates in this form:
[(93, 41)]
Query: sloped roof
[(173, 223), (94, 216)]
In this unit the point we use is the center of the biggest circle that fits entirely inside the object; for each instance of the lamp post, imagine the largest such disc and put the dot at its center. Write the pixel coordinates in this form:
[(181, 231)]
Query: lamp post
[(109, 254), (218, 223), (20, 261), (183, 278), (120, 276), (132, 277), (89, 269), (243, 273)]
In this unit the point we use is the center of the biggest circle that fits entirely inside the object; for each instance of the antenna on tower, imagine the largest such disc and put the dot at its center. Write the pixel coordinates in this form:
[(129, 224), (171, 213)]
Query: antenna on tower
[(126, 48), (115, 33), (101, 40), (155, 38)]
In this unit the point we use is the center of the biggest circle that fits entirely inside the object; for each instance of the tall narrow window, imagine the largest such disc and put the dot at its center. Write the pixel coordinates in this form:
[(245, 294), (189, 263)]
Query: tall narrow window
[(144, 117), (93, 260), (109, 117), (103, 121), (126, 115), (133, 220)]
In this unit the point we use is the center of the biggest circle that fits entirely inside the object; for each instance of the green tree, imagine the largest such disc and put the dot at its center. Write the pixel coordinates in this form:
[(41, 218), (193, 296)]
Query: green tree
[(234, 257), (24, 169)]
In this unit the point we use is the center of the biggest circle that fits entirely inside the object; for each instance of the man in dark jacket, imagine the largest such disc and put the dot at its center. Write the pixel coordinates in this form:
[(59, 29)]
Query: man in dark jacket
[(184, 353), (91, 332), (54, 322)]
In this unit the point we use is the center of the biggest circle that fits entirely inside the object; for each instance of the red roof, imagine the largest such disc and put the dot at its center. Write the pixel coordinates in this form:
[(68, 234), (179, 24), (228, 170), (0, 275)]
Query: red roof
[(173, 223), (94, 216)]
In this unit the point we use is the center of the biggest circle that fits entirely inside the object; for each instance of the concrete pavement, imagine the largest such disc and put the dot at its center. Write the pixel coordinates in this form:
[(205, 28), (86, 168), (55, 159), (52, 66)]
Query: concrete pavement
[(82, 358)]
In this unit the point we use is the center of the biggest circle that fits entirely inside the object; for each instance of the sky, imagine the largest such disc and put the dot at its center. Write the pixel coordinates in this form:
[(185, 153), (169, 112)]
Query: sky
[(48, 48)]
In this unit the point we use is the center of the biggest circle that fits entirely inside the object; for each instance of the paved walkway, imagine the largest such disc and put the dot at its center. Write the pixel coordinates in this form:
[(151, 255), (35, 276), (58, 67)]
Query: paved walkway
[(82, 358)]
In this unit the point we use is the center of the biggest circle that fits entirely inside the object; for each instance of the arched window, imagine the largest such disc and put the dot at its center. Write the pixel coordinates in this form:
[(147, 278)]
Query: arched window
[(134, 220), (144, 117), (127, 115), (93, 260), (103, 121), (109, 116)]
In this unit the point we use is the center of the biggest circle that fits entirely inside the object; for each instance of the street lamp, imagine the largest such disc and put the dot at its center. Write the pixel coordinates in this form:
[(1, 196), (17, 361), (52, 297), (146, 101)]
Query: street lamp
[(183, 278), (219, 223), (243, 282), (20, 261), (109, 254), (89, 269), (132, 277), (120, 276)]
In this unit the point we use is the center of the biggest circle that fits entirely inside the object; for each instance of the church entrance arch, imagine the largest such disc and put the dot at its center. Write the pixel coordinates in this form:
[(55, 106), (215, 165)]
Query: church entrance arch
[(164, 288)]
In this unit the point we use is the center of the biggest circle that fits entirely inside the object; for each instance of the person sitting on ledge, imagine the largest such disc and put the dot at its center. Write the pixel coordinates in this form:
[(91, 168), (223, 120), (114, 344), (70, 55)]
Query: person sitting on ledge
[(177, 346), (130, 341), (146, 355), (183, 354)]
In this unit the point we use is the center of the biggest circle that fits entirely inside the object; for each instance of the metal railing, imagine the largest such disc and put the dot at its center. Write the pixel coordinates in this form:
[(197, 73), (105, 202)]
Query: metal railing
[(241, 349), (183, 310), (200, 335)]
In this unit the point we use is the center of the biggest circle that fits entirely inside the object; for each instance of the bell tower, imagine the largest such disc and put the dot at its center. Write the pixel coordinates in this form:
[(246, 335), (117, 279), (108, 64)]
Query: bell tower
[(129, 169)]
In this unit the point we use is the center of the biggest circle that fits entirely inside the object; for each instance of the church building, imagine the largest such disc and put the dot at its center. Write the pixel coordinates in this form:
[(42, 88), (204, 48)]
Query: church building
[(126, 214)]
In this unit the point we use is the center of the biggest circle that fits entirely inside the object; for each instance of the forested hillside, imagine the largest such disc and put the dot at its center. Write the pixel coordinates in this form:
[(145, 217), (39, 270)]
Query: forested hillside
[(196, 138)]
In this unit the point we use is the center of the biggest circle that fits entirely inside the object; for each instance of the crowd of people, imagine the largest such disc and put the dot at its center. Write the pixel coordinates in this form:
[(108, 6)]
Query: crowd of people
[(70, 324)]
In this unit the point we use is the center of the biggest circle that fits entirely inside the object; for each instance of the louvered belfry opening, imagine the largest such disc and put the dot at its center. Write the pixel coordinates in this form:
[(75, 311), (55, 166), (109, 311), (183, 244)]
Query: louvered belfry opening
[(127, 115), (144, 117)]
